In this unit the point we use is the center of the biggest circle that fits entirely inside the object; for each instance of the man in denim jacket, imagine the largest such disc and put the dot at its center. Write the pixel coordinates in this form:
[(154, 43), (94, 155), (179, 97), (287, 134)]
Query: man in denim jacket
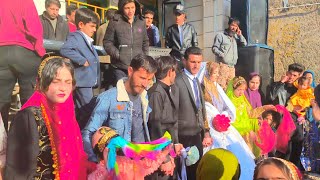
[(124, 108)]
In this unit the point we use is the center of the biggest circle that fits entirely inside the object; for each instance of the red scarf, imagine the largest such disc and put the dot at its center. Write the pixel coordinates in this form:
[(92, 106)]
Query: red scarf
[(69, 157)]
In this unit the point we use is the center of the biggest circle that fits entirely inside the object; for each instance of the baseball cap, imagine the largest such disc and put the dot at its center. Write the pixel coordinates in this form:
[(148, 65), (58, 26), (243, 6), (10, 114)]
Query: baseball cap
[(179, 9)]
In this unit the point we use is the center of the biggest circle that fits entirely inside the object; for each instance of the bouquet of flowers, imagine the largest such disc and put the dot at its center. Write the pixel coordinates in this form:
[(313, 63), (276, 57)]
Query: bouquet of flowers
[(221, 123)]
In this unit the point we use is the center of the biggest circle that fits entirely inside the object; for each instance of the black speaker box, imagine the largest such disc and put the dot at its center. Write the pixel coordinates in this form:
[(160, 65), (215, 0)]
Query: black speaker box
[(253, 16), (257, 58)]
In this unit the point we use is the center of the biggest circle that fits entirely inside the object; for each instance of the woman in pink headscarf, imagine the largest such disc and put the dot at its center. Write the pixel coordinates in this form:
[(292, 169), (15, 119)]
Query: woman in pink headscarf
[(44, 138)]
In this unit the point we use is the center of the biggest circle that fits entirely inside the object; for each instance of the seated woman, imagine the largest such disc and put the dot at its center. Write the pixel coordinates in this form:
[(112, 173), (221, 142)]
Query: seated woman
[(45, 139), (252, 93), (246, 121), (217, 104), (276, 168)]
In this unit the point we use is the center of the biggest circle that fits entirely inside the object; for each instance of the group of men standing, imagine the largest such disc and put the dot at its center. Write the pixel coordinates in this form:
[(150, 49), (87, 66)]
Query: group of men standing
[(177, 105), (177, 102)]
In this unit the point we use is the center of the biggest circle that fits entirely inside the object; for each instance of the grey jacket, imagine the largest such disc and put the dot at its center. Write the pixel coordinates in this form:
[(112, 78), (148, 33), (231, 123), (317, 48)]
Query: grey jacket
[(189, 37), (123, 41), (225, 48), (62, 28)]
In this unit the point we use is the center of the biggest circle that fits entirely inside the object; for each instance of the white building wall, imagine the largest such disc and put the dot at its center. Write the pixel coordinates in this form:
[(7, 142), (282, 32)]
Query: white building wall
[(209, 17), (194, 11)]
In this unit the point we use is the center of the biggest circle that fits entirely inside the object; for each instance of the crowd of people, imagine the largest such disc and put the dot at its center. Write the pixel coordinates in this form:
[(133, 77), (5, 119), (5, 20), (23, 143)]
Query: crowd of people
[(170, 117)]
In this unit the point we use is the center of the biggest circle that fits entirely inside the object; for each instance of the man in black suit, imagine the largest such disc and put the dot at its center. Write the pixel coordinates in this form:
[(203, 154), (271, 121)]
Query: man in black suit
[(164, 102), (192, 113)]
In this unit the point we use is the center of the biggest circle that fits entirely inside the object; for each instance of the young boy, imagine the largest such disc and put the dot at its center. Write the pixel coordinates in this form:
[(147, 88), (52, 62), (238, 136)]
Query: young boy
[(79, 49), (301, 100), (272, 121)]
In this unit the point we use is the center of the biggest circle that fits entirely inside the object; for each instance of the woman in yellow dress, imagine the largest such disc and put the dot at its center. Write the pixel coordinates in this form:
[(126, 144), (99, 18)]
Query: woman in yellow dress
[(246, 117)]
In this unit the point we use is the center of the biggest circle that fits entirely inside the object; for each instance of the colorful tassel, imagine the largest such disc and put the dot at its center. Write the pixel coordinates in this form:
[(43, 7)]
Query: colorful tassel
[(135, 151)]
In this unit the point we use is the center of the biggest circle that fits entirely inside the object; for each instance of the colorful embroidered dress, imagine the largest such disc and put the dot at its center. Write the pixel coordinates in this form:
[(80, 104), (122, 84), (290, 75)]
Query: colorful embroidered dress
[(301, 98), (137, 161), (52, 142), (246, 117)]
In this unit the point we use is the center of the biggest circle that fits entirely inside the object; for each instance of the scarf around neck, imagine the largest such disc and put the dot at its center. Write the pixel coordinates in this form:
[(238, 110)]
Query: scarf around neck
[(65, 138), (253, 97)]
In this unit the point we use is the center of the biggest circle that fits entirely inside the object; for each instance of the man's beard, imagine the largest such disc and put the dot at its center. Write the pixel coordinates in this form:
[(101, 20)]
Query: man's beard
[(231, 33), (134, 87)]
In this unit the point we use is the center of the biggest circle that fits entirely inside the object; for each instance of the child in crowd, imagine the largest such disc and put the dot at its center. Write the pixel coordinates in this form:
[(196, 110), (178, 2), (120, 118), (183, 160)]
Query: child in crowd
[(139, 160), (301, 99), (272, 121), (79, 49), (276, 168), (44, 141)]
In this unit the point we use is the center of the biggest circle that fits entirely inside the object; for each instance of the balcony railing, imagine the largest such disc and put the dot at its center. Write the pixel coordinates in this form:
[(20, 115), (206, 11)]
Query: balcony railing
[(97, 9)]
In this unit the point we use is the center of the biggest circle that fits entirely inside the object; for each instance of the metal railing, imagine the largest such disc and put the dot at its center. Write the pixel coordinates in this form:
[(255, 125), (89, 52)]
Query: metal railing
[(55, 46), (295, 6), (97, 9)]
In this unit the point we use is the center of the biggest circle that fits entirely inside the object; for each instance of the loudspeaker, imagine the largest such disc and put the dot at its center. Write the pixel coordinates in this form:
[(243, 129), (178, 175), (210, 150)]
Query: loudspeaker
[(257, 58), (253, 16)]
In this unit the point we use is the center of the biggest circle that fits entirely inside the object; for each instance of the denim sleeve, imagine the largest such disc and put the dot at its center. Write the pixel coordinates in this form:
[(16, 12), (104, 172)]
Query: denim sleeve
[(98, 117), (157, 41)]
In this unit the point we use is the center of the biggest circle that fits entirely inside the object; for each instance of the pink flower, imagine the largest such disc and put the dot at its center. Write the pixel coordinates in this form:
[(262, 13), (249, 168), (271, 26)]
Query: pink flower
[(221, 123)]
